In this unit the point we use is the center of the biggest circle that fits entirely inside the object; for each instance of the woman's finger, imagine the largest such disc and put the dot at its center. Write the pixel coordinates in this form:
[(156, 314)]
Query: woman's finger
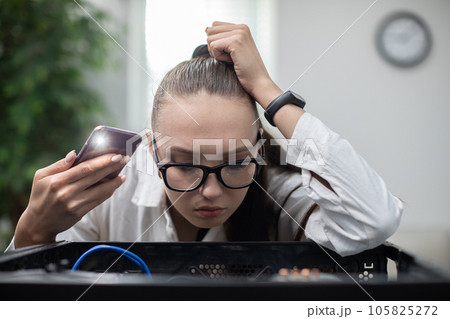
[(221, 35), (220, 49), (82, 184), (90, 198), (215, 23), (94, 169), (218, 28), (58, 167), (98, 176)]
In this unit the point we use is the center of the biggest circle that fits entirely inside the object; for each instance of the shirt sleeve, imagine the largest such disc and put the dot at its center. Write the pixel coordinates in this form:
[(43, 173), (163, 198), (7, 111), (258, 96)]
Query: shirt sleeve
[(87, 229), (359, 212), (11, 245)]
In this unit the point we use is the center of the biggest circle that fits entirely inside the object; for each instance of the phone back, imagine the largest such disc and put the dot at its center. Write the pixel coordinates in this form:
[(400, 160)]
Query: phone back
[(105, 140)]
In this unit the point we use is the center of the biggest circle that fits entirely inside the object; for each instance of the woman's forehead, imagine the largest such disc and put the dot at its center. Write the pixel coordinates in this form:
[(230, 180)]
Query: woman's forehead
[(188, 146), (186, 149), (205, 116)]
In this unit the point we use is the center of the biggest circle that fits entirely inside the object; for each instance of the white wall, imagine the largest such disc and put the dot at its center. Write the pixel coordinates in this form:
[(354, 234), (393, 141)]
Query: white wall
[(124, 85), (396, 118)]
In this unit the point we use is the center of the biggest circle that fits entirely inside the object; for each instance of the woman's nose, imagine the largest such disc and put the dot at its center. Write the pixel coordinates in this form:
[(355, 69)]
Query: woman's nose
[(212, 187)]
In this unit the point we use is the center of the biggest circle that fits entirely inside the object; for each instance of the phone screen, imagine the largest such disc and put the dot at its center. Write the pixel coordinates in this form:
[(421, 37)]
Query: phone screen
[(105, 140)]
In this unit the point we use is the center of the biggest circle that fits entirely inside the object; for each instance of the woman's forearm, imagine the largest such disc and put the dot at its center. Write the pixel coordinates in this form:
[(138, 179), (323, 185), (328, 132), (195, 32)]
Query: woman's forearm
[(286, 117)]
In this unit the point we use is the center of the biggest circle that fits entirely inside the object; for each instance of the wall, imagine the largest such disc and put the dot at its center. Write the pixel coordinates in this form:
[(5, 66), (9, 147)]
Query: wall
[(124, 85), (395, 118)]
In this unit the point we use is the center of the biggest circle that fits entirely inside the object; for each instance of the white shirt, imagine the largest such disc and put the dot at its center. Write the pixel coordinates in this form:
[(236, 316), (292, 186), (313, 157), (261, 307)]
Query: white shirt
[(360, 214)]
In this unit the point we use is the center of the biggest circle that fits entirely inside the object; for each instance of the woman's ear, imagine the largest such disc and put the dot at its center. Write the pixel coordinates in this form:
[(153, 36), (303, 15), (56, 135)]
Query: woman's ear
[(261, 131)]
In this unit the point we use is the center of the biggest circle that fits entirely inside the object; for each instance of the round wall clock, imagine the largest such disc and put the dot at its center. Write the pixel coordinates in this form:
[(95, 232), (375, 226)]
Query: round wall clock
[(403, 39)]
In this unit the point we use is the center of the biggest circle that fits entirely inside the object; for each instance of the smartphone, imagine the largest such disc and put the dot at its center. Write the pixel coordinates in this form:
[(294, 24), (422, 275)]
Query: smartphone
[(105, 140)]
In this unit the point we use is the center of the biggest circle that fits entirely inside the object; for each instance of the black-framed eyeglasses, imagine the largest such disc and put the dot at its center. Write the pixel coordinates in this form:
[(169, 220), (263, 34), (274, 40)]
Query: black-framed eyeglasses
[(183, 177)]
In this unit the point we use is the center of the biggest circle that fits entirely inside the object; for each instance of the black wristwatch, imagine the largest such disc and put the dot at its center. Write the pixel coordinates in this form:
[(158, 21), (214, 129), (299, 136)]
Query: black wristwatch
[(287, 97)]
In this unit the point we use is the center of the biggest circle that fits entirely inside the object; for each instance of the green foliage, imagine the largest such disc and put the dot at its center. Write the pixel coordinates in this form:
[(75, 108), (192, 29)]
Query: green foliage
[(46, 109)]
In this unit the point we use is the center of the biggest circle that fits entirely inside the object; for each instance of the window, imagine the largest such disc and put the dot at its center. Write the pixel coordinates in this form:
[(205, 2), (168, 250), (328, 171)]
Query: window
[(174, 28)]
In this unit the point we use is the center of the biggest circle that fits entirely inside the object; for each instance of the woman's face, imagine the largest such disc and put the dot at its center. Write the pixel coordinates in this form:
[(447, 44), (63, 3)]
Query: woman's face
[(224, 130)]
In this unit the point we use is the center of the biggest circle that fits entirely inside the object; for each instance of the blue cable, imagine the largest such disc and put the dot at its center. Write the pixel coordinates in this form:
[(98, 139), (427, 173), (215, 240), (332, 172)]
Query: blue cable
[(131, 256)]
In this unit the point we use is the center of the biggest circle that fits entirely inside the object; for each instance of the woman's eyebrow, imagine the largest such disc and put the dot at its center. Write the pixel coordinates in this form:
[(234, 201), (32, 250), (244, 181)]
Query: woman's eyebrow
[(189, 151)]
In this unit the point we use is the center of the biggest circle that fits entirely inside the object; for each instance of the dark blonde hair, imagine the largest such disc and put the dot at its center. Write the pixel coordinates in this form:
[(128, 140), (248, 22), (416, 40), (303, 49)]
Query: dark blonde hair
[(194, 76)]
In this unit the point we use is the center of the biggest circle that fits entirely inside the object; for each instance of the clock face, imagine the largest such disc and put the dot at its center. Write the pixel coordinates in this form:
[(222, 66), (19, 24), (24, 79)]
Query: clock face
[(403, 39)]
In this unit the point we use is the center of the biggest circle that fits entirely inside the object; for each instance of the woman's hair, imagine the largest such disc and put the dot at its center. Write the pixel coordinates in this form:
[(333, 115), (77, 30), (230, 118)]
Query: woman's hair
[(255, 219), (194, 76)]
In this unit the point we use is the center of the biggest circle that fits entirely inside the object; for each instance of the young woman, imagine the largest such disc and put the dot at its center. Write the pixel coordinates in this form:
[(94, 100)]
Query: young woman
[(215, 181)]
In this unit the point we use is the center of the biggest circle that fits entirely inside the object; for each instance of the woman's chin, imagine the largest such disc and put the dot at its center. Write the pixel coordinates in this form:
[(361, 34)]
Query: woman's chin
[(207, 222)]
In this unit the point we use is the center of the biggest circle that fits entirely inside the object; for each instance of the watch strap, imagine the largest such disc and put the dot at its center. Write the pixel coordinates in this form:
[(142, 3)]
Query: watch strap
[(287, 97)]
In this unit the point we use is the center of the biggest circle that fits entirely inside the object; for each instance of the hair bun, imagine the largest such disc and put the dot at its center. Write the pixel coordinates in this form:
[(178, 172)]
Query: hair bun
[(201, 50)]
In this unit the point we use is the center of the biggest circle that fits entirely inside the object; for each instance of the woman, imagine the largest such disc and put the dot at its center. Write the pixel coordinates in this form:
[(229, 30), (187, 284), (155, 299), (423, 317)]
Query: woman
[(213, 181)]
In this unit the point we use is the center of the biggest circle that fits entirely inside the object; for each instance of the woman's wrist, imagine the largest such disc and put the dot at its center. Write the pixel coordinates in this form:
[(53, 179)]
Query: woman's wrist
[(23, 239), (265, 92), (285, 118), (25, 235)]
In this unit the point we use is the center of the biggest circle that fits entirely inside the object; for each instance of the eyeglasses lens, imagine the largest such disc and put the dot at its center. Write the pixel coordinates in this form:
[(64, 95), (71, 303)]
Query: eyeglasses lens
[(188, 177)]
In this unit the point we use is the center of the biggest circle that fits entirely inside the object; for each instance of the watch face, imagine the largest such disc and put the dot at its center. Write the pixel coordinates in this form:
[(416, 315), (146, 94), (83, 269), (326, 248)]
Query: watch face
[(298, 100), (297, 96), (403, 39)]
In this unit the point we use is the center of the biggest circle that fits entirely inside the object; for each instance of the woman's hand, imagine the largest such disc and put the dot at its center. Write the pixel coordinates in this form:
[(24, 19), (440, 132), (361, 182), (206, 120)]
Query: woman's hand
[(61, 195), (234, 43)]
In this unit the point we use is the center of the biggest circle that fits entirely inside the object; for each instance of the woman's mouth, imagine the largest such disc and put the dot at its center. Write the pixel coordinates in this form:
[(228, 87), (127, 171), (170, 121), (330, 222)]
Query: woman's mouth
[(209, 211)]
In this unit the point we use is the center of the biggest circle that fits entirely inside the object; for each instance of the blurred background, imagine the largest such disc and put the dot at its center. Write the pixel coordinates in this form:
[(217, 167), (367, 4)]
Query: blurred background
[(376, 72)]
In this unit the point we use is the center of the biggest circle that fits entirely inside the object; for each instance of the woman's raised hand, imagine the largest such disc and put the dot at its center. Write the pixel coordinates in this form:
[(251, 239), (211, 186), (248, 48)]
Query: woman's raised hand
[(234, 43), (61, 195)]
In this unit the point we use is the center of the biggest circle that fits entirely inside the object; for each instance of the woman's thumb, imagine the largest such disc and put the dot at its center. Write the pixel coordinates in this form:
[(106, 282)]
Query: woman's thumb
[(59, 166)]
